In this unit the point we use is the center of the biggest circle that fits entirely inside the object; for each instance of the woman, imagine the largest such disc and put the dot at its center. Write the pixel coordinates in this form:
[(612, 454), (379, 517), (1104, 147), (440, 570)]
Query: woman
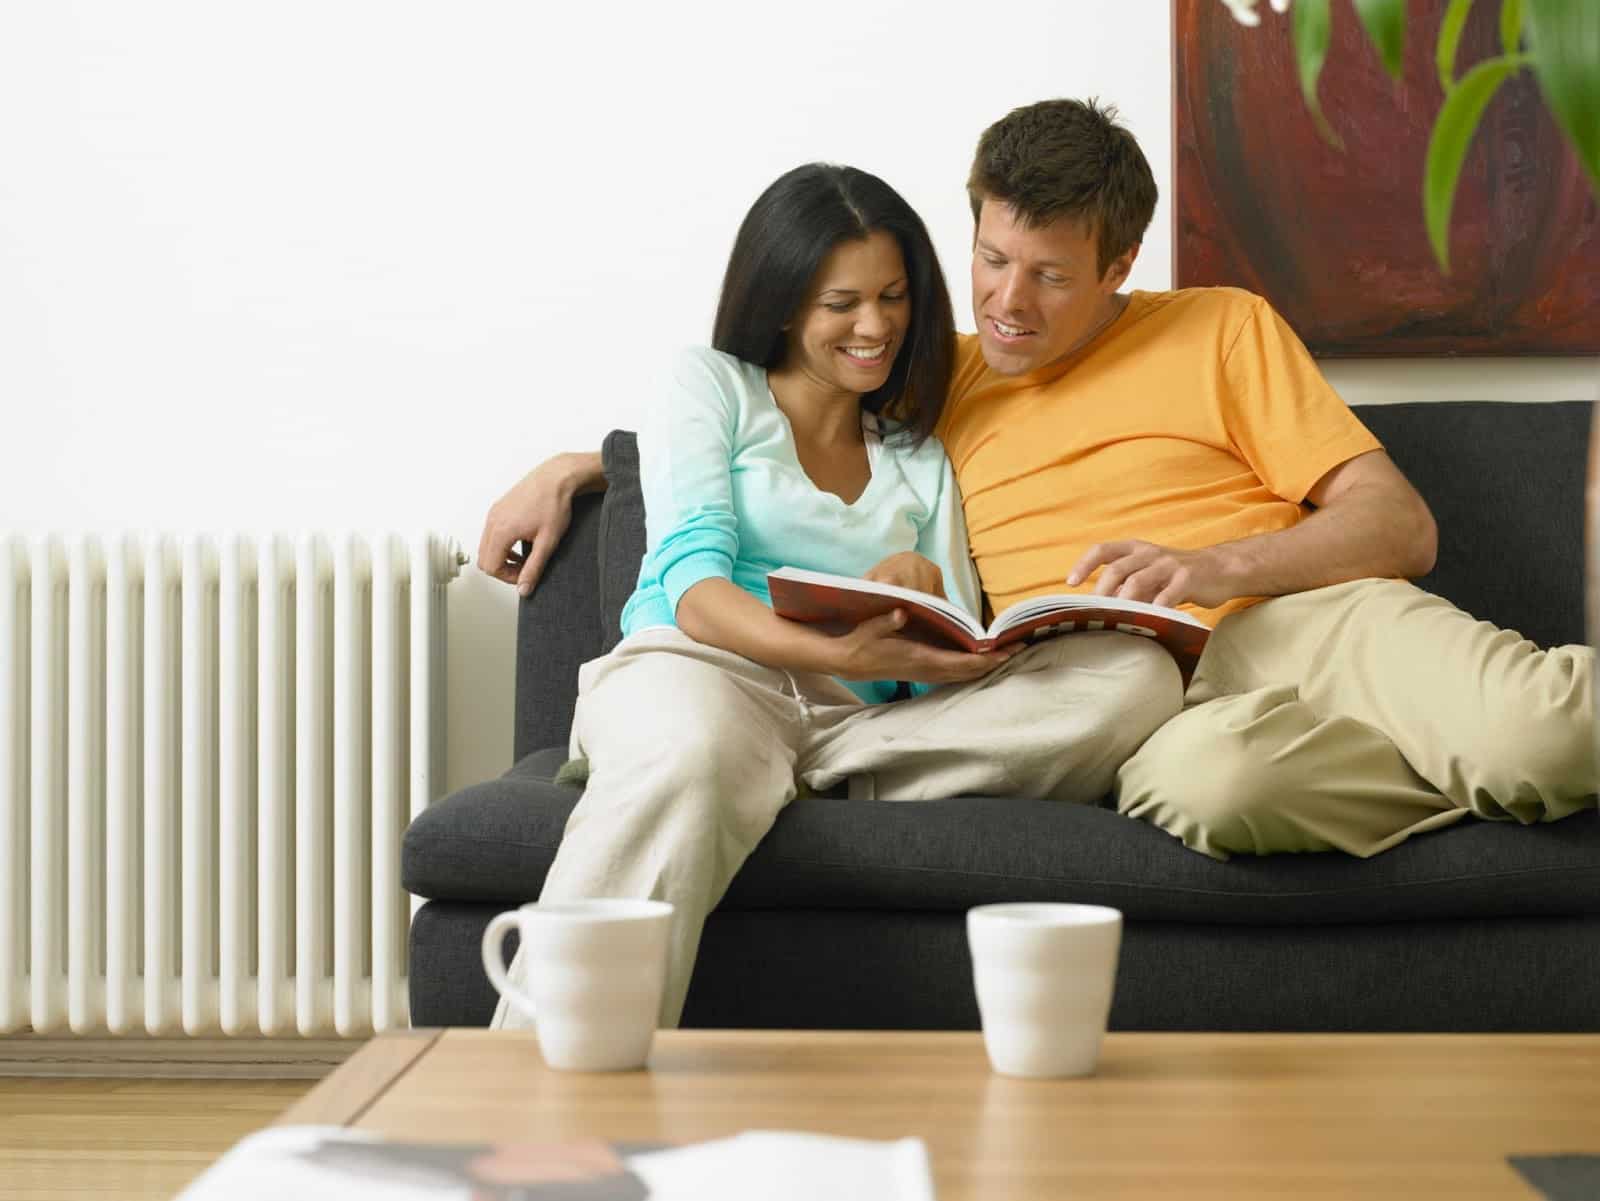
[(804, 439)]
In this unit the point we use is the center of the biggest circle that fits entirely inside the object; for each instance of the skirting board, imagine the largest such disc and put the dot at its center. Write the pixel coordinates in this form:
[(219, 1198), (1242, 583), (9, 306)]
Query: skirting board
[(182, 1058)]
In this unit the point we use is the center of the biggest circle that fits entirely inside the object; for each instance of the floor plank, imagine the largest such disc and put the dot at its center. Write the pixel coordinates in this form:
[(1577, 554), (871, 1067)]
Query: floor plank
[(137, 1140)]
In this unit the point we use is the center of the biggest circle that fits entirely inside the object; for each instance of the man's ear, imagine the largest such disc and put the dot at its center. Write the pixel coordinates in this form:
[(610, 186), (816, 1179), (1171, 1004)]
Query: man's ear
[(1117, 273)]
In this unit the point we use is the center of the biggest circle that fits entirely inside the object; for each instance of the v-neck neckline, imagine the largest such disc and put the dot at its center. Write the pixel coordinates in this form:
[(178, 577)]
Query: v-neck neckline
[(874, 454)]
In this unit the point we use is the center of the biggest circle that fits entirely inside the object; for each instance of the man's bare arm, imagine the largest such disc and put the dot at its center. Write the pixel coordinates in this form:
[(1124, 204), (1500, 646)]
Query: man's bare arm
[(537, 510), (1369, 522)]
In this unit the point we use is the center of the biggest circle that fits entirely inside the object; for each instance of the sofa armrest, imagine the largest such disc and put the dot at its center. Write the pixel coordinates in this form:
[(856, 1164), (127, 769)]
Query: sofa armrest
[(559, 629)]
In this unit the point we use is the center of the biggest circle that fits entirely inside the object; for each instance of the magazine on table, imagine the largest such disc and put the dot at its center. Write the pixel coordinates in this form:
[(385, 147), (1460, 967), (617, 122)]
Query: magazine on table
[(818, 596), (331, 1163)]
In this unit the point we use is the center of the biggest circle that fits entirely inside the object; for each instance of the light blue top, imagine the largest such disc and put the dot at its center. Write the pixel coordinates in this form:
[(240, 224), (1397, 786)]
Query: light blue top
[(725, 497)]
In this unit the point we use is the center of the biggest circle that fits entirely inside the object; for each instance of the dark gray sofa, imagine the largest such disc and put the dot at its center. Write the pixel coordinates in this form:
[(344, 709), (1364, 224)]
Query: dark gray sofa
[(850, 914)]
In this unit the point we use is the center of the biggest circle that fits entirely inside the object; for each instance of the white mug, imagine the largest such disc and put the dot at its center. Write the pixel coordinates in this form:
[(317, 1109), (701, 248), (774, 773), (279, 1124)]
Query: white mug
[(1044, 974), (594, 970)]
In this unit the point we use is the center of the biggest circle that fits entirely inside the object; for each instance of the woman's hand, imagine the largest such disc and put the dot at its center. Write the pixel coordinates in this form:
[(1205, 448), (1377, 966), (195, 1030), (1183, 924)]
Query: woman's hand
[(909, 570), (875, 650)]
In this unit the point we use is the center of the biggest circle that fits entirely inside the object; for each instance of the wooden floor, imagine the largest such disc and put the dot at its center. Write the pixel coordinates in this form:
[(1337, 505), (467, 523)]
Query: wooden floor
[(136, 1140)]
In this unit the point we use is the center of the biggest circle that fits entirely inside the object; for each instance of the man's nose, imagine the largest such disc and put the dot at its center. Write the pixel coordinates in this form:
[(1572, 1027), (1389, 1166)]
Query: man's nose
[(1013, 291)]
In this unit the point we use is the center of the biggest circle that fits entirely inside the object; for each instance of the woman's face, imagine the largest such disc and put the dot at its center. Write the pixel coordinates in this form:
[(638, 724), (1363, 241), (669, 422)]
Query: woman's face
[(854, 316)]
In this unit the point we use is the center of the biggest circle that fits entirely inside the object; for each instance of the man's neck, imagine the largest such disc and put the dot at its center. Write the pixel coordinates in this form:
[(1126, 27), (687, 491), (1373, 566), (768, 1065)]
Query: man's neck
[(1115, 304)]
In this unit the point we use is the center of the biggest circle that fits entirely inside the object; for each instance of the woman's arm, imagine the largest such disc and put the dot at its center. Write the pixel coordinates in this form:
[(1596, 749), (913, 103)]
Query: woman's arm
[(719, 613)]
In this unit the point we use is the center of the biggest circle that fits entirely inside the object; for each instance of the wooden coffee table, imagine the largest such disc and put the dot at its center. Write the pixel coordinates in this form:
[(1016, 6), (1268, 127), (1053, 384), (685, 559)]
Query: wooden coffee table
[(1168, 1115)]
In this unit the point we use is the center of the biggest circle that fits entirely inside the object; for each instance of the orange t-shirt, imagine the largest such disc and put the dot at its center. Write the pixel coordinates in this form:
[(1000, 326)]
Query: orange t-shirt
[(1196, 417)]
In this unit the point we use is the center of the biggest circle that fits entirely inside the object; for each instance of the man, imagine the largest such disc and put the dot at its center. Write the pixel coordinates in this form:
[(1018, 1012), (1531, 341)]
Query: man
[(1182, 447)]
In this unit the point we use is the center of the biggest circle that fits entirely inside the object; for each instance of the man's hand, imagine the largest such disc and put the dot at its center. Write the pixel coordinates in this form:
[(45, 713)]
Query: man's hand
[(875, 650), (1143, 571), (536, 511), (909, 570)]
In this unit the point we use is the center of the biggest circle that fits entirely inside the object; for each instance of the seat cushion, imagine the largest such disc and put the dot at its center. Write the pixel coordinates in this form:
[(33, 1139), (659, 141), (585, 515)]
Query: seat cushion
[(495, 841)]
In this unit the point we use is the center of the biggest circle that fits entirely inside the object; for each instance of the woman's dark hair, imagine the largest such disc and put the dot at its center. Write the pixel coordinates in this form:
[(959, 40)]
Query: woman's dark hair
[(782, 242)]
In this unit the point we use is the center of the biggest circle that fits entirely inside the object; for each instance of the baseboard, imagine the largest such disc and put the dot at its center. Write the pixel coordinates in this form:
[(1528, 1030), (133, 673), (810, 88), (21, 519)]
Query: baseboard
[(174, 1058)]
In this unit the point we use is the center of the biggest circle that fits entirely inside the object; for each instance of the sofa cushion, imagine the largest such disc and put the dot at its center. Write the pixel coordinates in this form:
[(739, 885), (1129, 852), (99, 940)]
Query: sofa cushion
[(494, 842)]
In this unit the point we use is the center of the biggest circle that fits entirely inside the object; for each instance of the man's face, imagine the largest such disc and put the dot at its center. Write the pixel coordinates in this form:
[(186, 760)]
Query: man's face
[(1036, 295)]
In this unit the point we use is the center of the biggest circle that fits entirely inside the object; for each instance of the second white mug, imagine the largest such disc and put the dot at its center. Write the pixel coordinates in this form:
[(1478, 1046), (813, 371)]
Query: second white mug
[(1044, 975)]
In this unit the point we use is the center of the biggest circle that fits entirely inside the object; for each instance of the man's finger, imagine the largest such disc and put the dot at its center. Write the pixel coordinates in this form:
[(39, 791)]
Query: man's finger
[(1115, 573), (1172, 595), (1097, 556), (533, 566), (493, 550), (1142, 584)]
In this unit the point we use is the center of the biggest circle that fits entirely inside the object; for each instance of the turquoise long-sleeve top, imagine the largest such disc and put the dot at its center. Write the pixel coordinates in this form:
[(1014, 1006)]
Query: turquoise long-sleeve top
[(726, 498)]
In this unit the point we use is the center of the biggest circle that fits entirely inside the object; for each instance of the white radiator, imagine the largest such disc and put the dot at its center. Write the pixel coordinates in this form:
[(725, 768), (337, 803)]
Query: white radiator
[(209, 748)]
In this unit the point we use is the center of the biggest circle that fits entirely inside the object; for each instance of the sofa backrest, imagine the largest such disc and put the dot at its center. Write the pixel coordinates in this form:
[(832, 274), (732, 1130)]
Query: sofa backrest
[(1506, 485), (1505, 482)]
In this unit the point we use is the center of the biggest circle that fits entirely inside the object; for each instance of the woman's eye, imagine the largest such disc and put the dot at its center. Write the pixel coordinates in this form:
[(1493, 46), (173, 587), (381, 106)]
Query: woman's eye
[(896, 298), (842, 307)]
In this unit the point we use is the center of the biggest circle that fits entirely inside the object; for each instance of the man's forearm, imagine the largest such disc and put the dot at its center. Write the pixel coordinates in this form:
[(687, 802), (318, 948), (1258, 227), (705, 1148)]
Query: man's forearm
[(1360, 535), (581, 471)]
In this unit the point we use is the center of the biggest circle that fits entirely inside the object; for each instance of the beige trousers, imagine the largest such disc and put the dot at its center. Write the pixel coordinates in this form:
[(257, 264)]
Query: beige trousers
[(1354, 716), (694, 750)]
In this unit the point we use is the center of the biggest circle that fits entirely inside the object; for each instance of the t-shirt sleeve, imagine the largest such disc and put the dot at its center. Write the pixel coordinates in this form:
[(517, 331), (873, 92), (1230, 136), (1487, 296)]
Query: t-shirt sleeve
[(1283, 417), (685, 473), (943, 541)]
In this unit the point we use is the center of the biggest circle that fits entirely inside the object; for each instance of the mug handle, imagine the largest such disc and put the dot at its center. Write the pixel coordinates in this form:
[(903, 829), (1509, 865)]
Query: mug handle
[(494, 937)]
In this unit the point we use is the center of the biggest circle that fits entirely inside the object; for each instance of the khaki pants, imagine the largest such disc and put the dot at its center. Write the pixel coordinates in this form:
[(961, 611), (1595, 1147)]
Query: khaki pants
[(1354, 716), (693, 751)]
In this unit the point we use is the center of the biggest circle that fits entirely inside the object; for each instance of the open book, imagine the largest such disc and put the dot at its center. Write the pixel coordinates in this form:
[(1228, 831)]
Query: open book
[(817, 596), (326, 1163)]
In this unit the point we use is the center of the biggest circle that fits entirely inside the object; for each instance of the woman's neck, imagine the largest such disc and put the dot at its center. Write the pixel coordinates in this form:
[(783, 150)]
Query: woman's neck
[(817, 414)]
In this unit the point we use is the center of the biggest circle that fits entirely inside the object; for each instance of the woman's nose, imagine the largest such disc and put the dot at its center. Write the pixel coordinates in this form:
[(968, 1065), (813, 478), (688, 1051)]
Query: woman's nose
[(872, 322)]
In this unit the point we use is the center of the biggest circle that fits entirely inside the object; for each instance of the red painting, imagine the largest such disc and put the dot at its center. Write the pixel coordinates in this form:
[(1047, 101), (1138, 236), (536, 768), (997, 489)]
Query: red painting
[(1336, 239)]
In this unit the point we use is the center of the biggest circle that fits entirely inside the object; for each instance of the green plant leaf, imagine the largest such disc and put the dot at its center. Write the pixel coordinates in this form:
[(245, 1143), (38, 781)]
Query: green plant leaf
[(1455, 20), (1312, 29), (1510, 26), (1447, 145), (1564, 43), (1385, 23)]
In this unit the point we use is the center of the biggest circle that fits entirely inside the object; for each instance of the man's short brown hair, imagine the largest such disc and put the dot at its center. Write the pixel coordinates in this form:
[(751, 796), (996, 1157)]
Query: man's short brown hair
[(1067, 158)]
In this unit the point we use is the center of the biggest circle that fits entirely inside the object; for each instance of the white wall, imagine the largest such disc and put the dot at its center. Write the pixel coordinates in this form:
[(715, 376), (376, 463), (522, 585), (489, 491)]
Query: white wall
[(347, 264)]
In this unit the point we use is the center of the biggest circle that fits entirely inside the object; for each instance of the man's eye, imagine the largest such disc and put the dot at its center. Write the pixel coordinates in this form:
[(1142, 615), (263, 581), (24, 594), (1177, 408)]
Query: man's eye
[(1053, 280), (994, 262)]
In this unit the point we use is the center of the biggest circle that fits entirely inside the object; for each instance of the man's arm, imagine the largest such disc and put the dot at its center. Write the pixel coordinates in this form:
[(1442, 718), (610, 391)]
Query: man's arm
[(1369, 522), (537, 511)]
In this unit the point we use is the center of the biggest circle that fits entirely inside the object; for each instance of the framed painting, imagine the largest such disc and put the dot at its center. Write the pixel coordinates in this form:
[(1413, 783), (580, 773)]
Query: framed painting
[(1335, 239)]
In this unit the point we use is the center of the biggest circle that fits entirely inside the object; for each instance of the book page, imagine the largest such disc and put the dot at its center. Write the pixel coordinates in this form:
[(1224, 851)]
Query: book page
[(1025, 610)]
